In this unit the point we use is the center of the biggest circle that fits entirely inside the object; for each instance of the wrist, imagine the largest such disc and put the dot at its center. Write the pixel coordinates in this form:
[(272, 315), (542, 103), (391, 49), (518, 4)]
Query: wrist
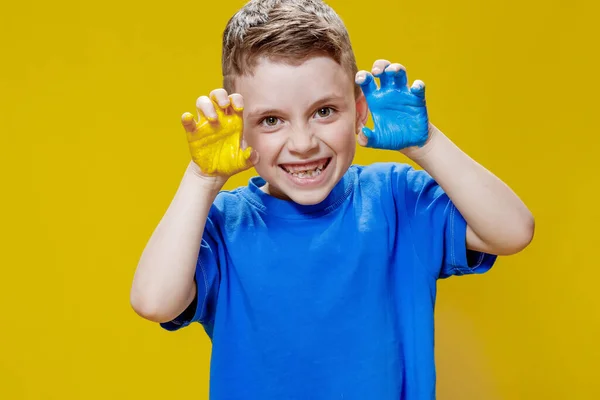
[(419, 153), (211, 183)]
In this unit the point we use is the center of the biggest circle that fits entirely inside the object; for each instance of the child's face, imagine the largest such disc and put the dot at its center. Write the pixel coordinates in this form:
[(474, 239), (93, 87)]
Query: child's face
[(302, 121)]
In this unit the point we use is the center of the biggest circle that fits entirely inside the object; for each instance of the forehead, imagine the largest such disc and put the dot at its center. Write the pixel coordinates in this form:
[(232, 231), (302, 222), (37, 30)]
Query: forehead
[(277, 83)]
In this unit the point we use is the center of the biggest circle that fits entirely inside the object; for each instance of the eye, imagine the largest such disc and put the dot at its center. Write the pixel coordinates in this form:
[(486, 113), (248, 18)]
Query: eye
[(324, 112), (270, 121)]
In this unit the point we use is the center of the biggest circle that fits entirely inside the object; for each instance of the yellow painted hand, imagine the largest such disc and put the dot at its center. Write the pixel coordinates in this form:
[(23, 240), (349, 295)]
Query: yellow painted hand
[(216, 143)]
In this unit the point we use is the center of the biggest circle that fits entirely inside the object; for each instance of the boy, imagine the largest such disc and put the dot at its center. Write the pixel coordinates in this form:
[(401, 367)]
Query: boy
[(318, 279)]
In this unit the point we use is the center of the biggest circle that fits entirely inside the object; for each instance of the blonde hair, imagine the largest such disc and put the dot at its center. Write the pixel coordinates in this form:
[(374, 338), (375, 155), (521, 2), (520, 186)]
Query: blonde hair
[(284, 30)]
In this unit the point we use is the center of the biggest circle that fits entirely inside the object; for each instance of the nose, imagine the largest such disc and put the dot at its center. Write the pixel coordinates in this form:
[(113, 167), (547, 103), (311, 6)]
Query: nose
[(302, 140)]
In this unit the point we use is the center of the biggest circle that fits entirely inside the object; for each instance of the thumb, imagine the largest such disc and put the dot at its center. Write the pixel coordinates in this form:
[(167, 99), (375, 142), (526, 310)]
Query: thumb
[(254, 158), (366, 135), (250, 157)]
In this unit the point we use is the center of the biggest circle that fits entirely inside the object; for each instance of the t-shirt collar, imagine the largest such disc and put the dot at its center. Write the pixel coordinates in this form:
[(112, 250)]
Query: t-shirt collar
[(289, 209)]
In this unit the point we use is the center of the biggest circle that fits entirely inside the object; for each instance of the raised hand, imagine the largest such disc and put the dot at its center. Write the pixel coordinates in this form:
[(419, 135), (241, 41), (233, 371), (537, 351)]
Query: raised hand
[(399, 112), (215, 141)]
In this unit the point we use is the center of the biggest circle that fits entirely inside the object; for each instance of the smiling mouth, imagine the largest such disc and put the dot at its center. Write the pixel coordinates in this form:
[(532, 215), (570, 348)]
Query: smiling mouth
[(307, 170)]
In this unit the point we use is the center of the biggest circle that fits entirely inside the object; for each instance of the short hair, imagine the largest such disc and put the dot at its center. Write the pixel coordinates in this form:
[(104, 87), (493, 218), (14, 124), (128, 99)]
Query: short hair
[(284, 30)]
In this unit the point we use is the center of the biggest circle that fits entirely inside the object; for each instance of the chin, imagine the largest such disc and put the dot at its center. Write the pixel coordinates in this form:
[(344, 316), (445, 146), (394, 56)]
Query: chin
[(307, 192), (308, 198)]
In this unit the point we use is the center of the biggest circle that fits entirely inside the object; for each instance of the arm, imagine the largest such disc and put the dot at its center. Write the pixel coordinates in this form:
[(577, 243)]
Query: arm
[(498, 221), (163, 284)]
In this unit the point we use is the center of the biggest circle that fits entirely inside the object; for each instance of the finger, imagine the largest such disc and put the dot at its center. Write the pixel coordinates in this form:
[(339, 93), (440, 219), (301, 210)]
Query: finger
[(206, 109), (188, 122), (237, 102), (379, 66), (220, 97), (396, 76), (366, 82), (221, 101), (418, 88), (378, 69)]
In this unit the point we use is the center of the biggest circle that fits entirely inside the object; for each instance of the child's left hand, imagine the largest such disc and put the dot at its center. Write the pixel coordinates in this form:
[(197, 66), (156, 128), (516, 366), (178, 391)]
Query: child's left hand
[(399, 112)]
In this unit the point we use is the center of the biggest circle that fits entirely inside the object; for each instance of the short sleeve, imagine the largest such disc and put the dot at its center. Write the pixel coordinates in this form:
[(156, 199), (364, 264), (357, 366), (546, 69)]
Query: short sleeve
[(438, 229), (206, 278)]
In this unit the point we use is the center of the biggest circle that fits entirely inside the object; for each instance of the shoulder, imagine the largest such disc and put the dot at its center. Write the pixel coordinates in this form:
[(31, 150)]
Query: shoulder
[(228, 205), (380, 170), (228, 199), (398, 175), (401, 181)]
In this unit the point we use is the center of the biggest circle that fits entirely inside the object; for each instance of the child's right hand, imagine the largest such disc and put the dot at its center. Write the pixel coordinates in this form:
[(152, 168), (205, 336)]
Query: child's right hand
[(215, 141)]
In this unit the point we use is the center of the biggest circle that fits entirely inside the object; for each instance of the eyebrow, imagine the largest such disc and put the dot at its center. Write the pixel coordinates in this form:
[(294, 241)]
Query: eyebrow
[(264, 112)]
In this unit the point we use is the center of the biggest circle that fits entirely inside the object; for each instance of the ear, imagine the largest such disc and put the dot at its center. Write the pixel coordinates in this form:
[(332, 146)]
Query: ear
[(362, 112)]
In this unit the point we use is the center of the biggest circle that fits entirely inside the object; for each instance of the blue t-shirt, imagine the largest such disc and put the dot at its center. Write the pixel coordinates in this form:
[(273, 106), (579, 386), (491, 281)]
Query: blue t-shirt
[(329, 301)]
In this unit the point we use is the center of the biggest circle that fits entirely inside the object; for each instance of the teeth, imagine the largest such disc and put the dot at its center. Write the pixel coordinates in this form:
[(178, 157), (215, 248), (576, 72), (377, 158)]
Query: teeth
[(307, 174), (296, 172), (297, 169)]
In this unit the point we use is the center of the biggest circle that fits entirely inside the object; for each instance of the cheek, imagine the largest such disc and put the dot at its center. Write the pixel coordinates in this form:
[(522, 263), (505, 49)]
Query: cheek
[(268, 147), (254, 139), (249, 135), (342, 137)]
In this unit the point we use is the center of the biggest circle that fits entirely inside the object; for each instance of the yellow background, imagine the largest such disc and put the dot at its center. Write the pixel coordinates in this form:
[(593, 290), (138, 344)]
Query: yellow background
[(92, 152)]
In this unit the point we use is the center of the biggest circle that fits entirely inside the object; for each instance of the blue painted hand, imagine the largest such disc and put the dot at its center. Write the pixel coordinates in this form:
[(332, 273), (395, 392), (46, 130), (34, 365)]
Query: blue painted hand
[(399, 112)]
